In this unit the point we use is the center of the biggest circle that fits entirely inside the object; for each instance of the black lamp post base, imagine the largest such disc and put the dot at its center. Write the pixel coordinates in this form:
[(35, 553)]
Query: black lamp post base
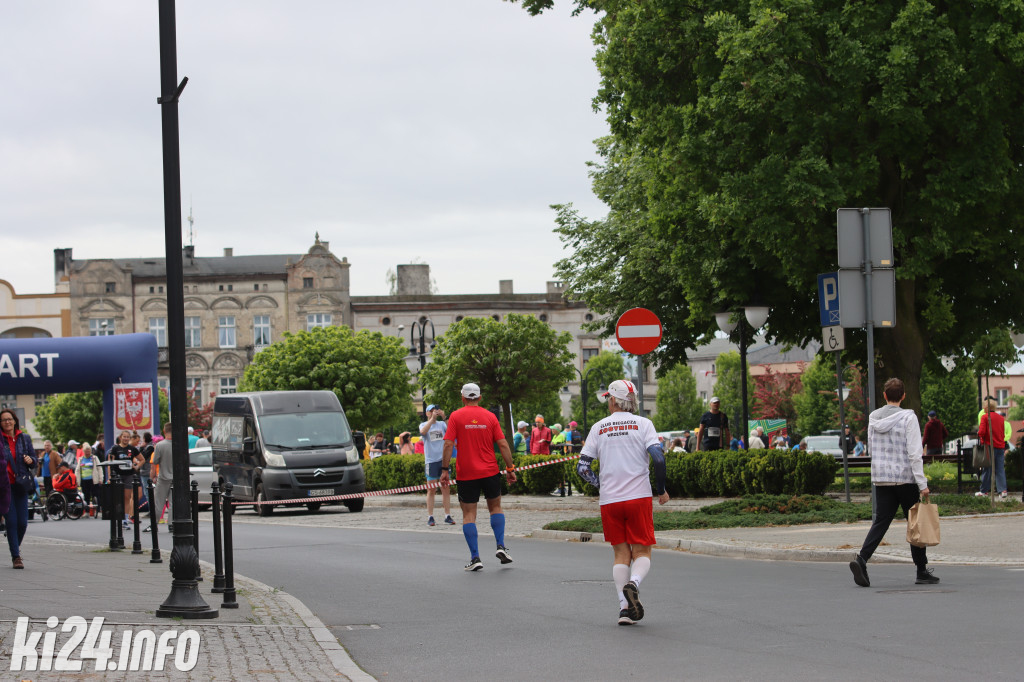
[(184, 601)]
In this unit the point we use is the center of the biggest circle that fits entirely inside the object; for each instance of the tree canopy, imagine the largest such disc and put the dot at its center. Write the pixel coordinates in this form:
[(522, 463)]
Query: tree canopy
[(518, 360), (953, 396), (737, 129), (600, 370), (677, 401), (366, 370)]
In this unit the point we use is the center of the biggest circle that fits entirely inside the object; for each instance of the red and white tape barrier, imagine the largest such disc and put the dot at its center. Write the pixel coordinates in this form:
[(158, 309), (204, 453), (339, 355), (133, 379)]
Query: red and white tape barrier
[(393, 491)]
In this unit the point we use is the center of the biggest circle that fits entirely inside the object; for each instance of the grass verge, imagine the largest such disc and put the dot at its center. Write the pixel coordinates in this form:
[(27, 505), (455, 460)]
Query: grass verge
[(785, 510)]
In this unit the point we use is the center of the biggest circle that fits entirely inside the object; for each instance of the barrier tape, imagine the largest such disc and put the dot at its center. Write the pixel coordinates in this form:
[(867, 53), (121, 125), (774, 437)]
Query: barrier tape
[(393, 491)]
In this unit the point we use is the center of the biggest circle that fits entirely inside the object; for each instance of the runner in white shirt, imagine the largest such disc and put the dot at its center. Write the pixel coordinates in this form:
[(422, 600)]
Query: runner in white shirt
[(626, 444)]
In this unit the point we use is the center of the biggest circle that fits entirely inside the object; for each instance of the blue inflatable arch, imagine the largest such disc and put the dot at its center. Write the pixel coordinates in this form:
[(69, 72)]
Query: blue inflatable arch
[(82, 363)]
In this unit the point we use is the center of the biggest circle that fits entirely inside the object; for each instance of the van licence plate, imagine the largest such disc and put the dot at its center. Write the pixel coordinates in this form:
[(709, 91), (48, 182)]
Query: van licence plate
[(321, 492)]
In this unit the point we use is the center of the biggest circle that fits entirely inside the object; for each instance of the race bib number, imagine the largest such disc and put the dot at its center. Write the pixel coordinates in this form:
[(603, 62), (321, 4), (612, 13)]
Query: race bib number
[(714, 432)]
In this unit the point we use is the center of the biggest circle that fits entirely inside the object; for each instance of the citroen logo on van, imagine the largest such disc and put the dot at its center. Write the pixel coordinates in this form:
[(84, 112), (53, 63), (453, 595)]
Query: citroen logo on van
[(319, 472)]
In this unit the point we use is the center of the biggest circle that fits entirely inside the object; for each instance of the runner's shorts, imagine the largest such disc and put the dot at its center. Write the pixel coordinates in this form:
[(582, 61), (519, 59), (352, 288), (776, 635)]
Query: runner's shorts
[(434, 470), (469, 491), (631, 521)]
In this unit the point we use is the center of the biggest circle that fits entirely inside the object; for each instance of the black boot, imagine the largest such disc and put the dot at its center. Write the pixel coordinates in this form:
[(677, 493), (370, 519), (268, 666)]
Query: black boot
[(860, 572), (925, 576)]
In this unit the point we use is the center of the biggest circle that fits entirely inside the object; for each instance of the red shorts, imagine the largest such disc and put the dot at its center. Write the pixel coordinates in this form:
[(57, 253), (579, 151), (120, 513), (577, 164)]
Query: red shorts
[(631, 521)]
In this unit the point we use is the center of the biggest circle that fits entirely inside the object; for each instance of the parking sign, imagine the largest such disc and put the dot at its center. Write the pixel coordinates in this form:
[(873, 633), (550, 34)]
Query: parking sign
[(828, 298)]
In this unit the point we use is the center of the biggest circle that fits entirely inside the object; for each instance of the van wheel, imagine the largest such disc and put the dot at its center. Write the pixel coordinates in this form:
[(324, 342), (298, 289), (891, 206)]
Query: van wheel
[(355, 505), (261, 509), (313, 506)]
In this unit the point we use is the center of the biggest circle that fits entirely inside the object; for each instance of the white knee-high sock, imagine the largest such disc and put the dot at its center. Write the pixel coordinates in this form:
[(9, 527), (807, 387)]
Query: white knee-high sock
[(620, 574), (641, 567)]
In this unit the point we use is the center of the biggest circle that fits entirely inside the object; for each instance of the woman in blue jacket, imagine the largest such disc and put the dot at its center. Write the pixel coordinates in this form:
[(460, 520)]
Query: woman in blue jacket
[(20, 461)]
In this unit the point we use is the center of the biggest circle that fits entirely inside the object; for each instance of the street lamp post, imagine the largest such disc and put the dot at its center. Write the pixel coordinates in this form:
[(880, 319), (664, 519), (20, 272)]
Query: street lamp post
[(755, 316), (418, 340)]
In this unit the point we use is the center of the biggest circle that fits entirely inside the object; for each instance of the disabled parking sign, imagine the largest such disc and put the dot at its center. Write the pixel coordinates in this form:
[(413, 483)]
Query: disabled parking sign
[(828, 298)]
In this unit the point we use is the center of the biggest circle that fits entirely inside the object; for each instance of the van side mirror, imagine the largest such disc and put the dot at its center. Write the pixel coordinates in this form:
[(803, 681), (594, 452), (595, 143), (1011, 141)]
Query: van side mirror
[(248, 445)]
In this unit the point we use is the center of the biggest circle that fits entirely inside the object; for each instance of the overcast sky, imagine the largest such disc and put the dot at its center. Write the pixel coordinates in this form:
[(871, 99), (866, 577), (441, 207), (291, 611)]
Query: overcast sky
[(436, 131)]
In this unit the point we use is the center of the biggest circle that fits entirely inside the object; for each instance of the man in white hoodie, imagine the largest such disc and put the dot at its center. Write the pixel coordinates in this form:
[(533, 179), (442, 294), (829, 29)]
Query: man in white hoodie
[(897, 472)]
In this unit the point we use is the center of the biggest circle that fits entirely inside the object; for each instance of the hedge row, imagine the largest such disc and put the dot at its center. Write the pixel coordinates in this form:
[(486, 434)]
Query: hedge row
[(401, 471), (715, 473)]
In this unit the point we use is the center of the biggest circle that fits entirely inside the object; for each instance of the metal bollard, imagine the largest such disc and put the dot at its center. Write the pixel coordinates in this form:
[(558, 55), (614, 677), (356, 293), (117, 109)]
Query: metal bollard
[(229, 563), (194, 499), (154, 524), (218, 544), (111, 507), (136, 493)]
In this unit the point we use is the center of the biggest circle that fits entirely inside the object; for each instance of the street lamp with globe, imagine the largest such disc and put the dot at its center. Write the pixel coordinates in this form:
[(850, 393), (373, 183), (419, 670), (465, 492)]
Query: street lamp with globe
[(755, 316)]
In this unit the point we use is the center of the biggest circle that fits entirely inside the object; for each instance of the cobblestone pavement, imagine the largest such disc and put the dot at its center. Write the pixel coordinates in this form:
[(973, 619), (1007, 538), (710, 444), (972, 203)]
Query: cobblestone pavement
[(271, 636)]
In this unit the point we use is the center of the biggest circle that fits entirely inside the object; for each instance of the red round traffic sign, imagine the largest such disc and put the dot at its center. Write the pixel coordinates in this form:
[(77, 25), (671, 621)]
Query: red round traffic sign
[(638, 331)]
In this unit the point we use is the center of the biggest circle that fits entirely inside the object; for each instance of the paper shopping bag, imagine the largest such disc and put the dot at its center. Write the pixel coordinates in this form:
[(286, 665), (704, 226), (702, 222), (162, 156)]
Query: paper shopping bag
[(923, 524)]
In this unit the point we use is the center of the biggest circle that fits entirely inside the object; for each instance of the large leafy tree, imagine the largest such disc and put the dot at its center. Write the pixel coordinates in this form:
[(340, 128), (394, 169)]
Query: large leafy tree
[(773, 395), (677, 401), (518, 360), (600, 370), (738, 127), (549, 406), (729, 390), (814, 404), (366, 370)]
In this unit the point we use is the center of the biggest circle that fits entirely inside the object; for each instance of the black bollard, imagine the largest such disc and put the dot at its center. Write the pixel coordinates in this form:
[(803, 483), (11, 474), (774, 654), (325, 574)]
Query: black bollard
[(229, 563), (194, 499), (154, 522), (110, 511), (218, 545), (136, 492)]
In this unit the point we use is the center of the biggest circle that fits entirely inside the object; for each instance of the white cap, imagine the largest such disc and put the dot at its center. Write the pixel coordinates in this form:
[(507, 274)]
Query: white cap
[(621, 389), (714, 399), (521, 425), (470, 391), (190, 429), (72, 442)]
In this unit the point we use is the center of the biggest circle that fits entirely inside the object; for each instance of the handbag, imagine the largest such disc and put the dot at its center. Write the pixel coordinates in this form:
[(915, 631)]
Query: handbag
[(982, 456), (24, 480), (923, 524)]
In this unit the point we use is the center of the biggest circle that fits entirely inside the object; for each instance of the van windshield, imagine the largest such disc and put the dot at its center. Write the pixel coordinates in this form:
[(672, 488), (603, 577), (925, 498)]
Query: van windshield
[(305, 430)]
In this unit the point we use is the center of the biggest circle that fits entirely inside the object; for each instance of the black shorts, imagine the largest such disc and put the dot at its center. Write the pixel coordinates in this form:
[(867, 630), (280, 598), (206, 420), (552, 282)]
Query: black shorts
[(469, 491)]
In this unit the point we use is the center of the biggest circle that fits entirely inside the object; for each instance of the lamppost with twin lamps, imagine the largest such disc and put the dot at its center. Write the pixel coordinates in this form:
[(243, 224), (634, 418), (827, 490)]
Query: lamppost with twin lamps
[(419, 341), (755, 316)]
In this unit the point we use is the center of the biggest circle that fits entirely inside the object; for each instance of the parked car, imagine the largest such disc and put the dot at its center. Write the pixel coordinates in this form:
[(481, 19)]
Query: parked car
[(200, 470), (828, 445)]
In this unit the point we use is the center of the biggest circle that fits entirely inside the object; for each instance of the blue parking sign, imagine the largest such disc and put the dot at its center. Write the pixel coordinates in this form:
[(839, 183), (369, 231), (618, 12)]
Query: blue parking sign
[(828, 298)]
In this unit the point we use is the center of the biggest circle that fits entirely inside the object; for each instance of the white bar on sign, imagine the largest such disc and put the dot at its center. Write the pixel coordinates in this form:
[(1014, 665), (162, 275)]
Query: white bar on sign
[(639, 331)]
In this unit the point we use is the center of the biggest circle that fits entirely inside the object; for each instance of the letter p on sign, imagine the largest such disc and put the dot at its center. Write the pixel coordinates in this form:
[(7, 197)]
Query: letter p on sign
[(828, 298)]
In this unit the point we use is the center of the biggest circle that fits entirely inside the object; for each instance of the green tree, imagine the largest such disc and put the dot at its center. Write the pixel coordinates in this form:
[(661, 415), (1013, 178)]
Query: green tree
[(736, 131), (70, 415), (550, 406), (519, 360), (953, 395), (677, 401), (366, 370), (601, 370), (728, 390), (815, 408)]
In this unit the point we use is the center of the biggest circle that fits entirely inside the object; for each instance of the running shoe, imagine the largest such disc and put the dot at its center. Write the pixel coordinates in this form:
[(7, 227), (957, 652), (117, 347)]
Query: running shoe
[(474, 564), (632, 593), (503, 554), (624, 618), (430, 521), (980, 494), (449, 520)]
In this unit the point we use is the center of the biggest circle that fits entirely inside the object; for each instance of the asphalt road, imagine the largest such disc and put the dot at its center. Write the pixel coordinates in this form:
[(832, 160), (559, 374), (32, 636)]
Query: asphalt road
[(403, 607)]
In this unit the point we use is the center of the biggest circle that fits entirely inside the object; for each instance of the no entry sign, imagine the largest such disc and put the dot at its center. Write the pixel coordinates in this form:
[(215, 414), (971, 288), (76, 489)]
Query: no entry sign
[(638, 331)]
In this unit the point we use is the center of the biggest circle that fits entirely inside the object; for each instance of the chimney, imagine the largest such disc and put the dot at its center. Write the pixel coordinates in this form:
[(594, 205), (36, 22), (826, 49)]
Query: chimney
[(504, 286), (413, 279), (188, 252), (228, 252), (61, 264)]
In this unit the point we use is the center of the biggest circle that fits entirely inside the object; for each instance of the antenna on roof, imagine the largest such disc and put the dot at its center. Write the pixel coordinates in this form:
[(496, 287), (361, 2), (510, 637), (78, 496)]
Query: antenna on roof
[(191, 241)]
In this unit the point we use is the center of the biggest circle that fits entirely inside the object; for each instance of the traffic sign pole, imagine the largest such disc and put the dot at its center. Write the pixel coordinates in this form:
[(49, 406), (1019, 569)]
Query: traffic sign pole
[(638, 331)]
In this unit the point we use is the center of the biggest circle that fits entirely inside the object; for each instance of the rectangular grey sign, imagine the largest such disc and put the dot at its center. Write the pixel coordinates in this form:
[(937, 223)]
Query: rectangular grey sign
[(852, 310), (850, 232)]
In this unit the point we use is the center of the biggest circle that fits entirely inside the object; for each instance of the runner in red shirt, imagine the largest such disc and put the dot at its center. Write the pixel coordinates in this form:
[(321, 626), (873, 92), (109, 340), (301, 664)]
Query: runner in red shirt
[(475, 431)]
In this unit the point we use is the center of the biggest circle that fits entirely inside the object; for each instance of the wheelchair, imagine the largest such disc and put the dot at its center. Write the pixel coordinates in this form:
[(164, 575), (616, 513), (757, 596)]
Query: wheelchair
[(60, 505)]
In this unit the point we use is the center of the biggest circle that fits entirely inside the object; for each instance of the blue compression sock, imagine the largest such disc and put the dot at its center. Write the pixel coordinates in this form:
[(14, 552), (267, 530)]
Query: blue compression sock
[(469, 530), (498, 526)]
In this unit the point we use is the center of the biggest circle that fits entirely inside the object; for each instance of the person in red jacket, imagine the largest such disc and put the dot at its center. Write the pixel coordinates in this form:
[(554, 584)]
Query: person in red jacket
[(540, 438), (935, 435), (991, 432), (64, 481)]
